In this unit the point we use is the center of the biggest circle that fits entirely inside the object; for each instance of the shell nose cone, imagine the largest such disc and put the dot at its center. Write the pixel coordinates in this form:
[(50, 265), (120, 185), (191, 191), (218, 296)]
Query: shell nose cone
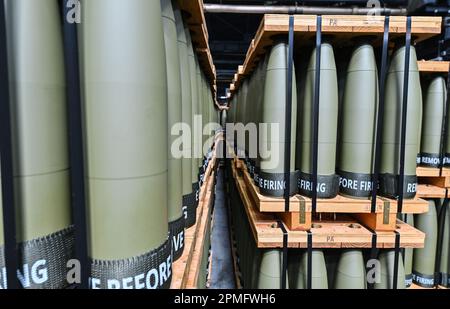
[(350, 272)]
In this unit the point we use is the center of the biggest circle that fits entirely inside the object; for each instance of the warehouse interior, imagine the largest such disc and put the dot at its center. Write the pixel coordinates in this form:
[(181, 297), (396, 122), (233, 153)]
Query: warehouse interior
[(225, 144)]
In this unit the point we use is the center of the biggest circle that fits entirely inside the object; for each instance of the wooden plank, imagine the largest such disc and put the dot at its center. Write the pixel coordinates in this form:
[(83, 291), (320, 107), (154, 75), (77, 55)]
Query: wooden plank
[(429, 66), (339, 204), (344, 232)]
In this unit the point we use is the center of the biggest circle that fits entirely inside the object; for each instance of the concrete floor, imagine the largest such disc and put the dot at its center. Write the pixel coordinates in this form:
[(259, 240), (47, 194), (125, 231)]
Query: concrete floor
[(222, 276)]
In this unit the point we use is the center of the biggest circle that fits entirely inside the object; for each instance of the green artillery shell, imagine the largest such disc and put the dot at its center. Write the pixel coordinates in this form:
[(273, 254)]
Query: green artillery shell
[(390, 148), (387, 261), (39, 118), (174, 194), (358, 123), (444, 267), (424, 259)]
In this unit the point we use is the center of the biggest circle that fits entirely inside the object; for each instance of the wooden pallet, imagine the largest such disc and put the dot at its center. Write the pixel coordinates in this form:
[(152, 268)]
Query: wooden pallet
[(341, 232), (431, 191), (234, 255), (299, 216), (418, 287), (429, 66), (186, 270), (433, 176), (195, 19), (341, 27)]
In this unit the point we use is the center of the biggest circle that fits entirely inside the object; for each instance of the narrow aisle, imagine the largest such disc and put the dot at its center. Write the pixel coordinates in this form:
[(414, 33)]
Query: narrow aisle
[(222, 271)]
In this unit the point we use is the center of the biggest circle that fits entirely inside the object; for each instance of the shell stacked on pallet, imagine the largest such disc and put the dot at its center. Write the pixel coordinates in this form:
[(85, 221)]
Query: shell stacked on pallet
[(193, 67), (2, 241), (273, 139), (209, 125), (258, 268), (330, 268), (392, 119), (359, 111), (424, 259), (298, 269), (347, 128), (387, 262), (189, 204), (174, 192), (350, 271), (40, 147), (198, 130), (409, 252), (192, 82), (433, 116), (327, 180), (125, 115)]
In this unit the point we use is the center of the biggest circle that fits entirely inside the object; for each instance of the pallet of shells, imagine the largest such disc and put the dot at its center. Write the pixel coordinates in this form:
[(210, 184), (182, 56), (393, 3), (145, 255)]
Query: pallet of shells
[(340, 247)]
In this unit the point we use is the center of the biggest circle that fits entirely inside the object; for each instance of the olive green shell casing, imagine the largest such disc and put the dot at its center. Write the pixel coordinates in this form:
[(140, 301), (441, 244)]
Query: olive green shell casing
[(2, 237), (390, 148), (37, 86), (298, 270), (174, 188), (124, 90), (328, 114), (358, 123)]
